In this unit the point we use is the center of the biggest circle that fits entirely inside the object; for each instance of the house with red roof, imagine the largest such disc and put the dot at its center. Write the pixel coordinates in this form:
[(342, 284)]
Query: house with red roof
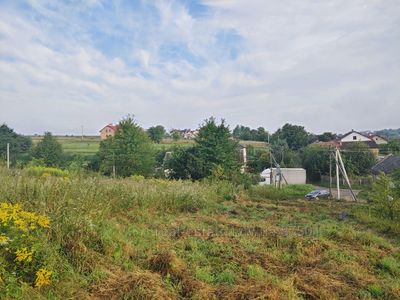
[(108, 130)]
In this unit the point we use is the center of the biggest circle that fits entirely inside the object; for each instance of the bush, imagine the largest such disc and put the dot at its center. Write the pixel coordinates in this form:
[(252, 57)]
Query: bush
[(45, 171), (22, 236)]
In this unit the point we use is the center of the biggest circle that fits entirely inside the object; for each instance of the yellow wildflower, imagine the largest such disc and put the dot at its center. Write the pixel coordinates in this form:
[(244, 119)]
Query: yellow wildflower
[(42, 277), (3, 240), (23, 255), (43, 221)]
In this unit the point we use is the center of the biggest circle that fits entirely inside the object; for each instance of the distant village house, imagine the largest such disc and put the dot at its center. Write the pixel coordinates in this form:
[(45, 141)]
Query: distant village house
[(107, 131), (371, 140)]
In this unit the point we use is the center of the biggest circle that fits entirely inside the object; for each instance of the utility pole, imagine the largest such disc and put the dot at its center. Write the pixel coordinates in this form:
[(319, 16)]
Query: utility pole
[(337, 173), (82, 133), (330, 174), (8, 155), (345, 176)]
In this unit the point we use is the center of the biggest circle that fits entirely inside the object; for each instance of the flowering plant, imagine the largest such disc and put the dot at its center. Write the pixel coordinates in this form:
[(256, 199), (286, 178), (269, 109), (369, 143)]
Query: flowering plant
[(20, 235)]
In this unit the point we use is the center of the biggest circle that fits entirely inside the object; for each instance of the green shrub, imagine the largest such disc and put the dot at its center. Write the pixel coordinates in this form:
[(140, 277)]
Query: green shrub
[(39, 171)]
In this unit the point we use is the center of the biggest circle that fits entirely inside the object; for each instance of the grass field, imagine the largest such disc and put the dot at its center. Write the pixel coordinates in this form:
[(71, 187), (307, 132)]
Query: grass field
[(75, 145), (90, 144), (157, 239)]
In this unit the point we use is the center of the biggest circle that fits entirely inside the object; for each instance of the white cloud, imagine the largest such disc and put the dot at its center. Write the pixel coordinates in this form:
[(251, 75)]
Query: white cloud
[(329, 65)]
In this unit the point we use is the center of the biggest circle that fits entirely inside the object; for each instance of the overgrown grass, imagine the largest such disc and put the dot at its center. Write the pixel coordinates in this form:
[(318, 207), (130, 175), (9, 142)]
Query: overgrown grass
[(157, 239), (293, 191), (45, 171)]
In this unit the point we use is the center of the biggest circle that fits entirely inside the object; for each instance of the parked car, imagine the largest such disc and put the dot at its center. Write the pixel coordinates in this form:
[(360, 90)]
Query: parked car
[(318, 194)]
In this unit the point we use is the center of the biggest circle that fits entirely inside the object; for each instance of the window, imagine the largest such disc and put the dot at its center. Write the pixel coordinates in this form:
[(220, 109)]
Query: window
[(354, 137)]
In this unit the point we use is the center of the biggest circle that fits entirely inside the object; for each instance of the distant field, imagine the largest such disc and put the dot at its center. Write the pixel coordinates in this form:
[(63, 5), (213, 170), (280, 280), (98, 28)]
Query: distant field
[(90, 144), (74, 144)]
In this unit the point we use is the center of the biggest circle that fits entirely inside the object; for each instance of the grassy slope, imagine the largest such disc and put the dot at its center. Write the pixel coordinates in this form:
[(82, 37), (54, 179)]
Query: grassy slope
[(90, 144), (155, 239)]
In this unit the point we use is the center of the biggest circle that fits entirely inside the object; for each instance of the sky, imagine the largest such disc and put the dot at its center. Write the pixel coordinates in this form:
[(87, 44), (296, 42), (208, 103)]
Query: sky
[(326, 65)]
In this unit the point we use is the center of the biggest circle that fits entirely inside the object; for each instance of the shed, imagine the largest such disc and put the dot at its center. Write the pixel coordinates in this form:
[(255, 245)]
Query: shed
[(387, 165), (292, 176)]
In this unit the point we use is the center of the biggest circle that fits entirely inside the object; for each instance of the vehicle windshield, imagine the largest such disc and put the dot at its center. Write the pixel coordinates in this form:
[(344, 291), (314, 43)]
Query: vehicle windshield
[(314, 192)]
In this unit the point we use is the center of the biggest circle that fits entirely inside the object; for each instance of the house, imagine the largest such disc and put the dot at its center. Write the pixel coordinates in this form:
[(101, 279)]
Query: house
[(371, 140), (186, 134), (190, 134), (387, 165), (108, 130), (377, 139)]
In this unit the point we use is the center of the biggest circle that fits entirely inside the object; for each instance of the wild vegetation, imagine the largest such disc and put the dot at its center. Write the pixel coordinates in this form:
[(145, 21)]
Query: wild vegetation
[(139, 238)]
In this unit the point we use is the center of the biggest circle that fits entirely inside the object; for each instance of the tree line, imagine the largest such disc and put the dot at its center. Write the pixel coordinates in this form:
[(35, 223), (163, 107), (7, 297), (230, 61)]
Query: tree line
[(214, 152)]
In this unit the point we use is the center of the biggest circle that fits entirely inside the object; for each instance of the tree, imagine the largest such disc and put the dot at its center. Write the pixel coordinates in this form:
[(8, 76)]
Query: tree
[(130, 151), (156, 133), (295, 136), (326, 137), (315, 160), (186, 164), (358, 159), (284, 156), (257, 159), (386, 196), (392, 146), (245, 133), (175, 135), (19, 145), (49, 150), (216, 148)]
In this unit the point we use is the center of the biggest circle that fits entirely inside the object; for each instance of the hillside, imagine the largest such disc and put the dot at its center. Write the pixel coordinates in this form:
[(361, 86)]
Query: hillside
[(157, 239), (389, 133)]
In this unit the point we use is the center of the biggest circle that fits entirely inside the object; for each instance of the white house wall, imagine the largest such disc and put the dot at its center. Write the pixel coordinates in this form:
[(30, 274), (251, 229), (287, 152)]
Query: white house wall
[(358, 138)]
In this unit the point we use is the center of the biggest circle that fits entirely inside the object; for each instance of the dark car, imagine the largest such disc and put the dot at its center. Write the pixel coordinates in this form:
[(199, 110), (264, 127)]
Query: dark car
[(318, 194)]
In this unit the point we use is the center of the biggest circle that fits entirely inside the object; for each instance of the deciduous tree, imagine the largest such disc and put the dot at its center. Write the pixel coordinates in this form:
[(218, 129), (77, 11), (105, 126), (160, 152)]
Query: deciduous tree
[(130, 151)]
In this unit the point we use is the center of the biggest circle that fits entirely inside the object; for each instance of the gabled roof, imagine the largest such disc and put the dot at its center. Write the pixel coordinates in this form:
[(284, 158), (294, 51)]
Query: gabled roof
[(353, 131), (372, 135), (387, 165), (112, 126)]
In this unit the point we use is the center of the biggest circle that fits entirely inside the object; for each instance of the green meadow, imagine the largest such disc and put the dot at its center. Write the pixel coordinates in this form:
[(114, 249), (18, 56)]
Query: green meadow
[(140, 238)]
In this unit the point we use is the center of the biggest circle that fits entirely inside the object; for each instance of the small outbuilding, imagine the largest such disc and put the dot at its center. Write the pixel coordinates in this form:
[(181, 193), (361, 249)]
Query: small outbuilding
[(290, 175)]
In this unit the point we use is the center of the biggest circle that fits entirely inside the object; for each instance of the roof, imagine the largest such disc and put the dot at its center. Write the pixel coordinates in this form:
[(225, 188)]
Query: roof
[(353, 131), (372, 135), (112, 126), (387, 165)]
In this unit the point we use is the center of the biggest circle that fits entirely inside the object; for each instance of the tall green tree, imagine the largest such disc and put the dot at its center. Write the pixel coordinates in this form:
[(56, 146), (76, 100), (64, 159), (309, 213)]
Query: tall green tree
[(49, 150), (186, 164), (295, 136), (130, 151), (19, 145), (156, 133), (315, 159), (216, 148), (247, 134)]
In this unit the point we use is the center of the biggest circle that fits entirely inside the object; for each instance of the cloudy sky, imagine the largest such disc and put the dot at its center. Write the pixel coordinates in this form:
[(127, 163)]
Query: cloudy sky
[(328, 65)]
